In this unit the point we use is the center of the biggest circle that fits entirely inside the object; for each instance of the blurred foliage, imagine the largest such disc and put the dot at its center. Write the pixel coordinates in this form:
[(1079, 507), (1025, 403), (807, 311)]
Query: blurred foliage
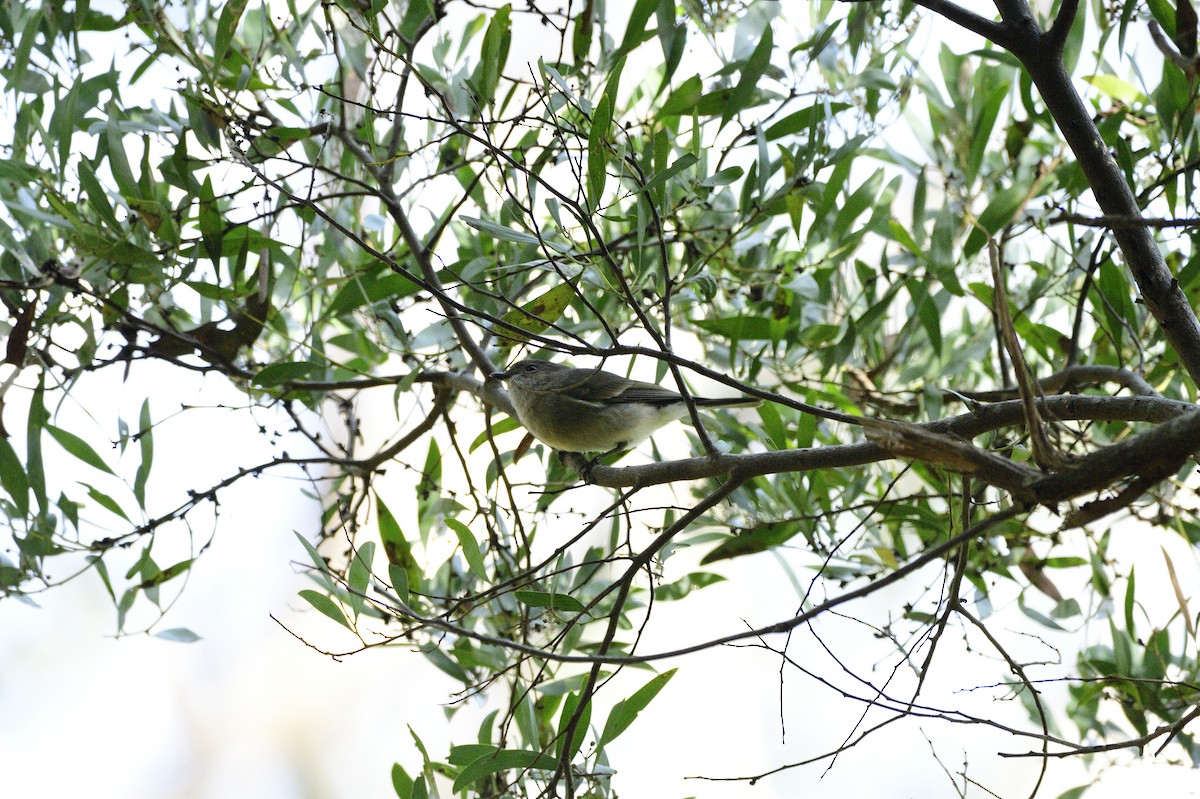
[(317, 202)]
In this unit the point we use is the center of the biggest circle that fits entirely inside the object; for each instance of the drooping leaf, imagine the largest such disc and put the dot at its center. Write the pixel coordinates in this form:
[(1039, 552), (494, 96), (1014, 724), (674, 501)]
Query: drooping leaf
[(145, 437), (78, 448), (12, 477), (359, 578), (542, 599), (180, 635), (502, 760), (757, 539), (625, 712), (470, 548), (325, 605), (535, 316)]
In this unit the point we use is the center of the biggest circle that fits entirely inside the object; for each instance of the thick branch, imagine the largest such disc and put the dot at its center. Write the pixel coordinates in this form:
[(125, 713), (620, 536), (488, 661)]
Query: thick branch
[(1161, 292), (988, 29), (968, 425), (1041, 55), (1056, 37), (1068, 379)]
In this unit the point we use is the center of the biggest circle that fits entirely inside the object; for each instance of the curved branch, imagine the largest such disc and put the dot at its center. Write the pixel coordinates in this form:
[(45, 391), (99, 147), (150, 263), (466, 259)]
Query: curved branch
[(1018, 670), (1066, 379), (968, 425), (1042, 56), (1170, 730), (1160, 290), (1056, 37), (997, 32)]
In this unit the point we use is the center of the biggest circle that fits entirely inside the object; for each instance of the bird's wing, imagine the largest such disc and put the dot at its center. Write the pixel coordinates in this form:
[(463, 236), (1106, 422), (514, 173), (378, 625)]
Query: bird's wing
[(637, 391), (608, 389)]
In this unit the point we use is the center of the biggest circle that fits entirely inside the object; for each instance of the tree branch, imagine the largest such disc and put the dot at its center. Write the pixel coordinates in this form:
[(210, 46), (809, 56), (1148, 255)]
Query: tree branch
[(1056, 37), (988, 29), (1159, 289), (968, 425), (1041, 55), (1066, 379)]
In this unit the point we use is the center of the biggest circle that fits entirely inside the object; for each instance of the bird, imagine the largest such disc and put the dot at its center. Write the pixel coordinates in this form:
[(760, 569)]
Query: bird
[(590, 410)]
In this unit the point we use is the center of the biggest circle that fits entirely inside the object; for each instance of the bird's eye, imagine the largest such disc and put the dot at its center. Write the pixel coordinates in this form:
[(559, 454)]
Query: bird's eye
[(530, 367)]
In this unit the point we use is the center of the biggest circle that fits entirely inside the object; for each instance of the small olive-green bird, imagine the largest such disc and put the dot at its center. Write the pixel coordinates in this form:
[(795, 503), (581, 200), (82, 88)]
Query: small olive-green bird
[(587, 410)]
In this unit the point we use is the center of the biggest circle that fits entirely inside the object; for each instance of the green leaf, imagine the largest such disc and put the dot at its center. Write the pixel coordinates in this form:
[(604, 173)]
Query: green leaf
[(981, 135), (1037, 616), (537, 315), (502, 760), (180, 635), (774, 426), (33, 443), (1118, 306), (359, 577), (754, 540), (227, 23), (322, 568), (685, 161), (145, 437), (169, 573), (1130, 600), (626, 711), (746, 328), (212, 225), (493, 56), (370, 288), (280, 373), (504, 425), (541, 599), (123, 607), (636, 31), (805, 119), (275, 141), (105, 501), (78, 447), (568, 710), (581, 39), (399, 578), (395, 545), (723, 178), (1164, 13), (470, 548), (500, 231), (597, 164), (742, 96), (118, 160), (326, 605), (24, 46), (432, 505), (928, 313), (672, 36), (998, 213), (465, 754), (402, 784), (97, 197), (12, 477), (1075, 793), (1120, 90), (685, 585), (684, 99)]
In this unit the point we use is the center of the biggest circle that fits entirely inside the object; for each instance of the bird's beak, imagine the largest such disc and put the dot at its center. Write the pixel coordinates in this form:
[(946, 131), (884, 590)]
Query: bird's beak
[(501, 375)]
